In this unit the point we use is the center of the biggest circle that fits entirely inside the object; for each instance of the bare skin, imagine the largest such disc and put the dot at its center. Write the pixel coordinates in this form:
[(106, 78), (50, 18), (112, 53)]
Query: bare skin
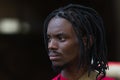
[(64, 48)]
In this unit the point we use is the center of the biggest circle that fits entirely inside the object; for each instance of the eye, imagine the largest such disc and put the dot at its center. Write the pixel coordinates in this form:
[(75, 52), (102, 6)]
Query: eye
[(61, 38)]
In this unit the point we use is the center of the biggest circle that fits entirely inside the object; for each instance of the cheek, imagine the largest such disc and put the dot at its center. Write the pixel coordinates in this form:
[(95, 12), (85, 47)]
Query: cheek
[(70, 50)]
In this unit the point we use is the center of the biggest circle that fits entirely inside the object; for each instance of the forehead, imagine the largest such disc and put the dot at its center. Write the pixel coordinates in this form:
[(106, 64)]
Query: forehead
[(59, 25)]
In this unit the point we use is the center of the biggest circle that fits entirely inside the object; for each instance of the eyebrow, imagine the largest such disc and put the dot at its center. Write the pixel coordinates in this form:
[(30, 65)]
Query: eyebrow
[(60, 33)]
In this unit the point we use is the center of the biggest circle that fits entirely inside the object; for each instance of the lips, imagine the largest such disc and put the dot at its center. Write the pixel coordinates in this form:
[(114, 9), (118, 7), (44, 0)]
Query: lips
[(54, 57)]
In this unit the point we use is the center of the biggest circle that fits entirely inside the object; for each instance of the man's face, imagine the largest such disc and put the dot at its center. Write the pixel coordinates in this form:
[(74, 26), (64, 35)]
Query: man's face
[(63, 44)]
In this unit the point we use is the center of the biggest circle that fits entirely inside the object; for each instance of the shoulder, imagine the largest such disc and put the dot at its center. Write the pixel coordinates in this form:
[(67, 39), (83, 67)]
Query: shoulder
[(108, 78)]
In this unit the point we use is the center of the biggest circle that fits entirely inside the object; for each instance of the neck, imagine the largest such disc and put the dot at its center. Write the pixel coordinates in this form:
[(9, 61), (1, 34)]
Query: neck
[(72, 72)]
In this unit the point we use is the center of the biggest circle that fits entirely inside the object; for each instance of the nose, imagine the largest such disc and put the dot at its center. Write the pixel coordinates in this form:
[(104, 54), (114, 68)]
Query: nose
[(52, 45)]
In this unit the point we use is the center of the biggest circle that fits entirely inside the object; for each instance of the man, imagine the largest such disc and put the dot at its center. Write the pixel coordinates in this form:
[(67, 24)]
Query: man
[(75, 40)]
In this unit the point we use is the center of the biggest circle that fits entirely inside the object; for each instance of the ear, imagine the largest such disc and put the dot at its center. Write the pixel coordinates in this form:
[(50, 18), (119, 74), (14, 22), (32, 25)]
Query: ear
[(85, 40)]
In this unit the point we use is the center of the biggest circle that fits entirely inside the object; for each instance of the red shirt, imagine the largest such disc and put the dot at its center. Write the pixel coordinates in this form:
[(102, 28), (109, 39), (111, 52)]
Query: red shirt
[(60, 77)]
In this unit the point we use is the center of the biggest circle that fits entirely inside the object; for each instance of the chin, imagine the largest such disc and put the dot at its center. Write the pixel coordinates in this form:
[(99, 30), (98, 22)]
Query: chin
[(58, 67), (55, 63)]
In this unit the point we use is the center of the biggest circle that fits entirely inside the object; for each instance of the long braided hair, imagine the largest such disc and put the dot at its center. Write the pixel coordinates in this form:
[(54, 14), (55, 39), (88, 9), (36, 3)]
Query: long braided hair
[(86, 23)]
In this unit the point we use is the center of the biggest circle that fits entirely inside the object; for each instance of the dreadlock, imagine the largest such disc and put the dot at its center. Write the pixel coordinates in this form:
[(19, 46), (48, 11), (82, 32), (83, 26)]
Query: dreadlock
[(86, 23)]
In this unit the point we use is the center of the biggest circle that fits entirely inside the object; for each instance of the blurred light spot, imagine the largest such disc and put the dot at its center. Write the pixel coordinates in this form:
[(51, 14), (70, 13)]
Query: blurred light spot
[(9, 26), (26, 27)]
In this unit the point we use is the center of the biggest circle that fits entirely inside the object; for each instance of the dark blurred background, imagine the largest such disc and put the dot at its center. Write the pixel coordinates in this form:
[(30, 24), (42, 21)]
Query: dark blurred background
[(22, 52)]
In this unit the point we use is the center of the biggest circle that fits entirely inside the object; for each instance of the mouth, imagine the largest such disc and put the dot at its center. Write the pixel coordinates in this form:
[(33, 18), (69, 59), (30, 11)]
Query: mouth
[(54, 57)]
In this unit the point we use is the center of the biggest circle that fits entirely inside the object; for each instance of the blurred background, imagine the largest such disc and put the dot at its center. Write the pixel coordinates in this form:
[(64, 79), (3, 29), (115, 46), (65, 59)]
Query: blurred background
[(22, 52)]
